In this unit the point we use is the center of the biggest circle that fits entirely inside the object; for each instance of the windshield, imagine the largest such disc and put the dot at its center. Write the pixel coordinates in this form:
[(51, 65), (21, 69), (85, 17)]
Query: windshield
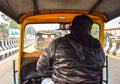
[(39, 36)]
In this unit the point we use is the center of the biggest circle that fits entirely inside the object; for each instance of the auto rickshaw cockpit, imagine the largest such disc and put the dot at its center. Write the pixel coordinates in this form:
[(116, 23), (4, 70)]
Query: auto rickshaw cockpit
[(42, 21), (40, 33)]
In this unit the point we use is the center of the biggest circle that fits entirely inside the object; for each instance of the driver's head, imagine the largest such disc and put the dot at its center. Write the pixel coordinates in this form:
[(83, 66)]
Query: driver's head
[(81, 23)]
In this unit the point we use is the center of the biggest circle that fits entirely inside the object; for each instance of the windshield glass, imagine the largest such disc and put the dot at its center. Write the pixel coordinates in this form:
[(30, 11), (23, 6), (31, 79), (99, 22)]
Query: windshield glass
[(39, 36)]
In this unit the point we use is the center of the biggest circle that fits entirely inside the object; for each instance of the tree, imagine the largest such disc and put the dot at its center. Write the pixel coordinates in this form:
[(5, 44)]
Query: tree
[(6, 18), (107, 35), (4, 25), (13, 24), (29, 31)]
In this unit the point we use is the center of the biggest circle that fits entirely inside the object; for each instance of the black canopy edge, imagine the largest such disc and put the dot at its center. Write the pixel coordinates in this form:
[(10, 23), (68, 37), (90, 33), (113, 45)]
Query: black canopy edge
[(108, 18), (113, 17), (8, 14), (95, 6), (35, 5)]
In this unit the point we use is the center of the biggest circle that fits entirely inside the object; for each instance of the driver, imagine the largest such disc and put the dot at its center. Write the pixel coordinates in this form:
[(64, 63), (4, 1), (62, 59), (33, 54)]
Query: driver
[(76, 58)]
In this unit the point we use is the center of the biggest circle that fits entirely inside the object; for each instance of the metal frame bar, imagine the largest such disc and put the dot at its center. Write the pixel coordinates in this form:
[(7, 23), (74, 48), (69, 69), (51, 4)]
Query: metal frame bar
[(95, 6), (35, 7), (14, 76), (106, 66)]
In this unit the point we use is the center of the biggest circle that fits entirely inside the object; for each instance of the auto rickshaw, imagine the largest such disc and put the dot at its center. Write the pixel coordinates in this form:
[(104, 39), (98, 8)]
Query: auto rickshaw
[(55, 15)]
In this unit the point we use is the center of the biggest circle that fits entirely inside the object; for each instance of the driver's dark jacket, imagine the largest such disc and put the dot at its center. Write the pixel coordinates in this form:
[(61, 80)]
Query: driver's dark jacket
[(75, 60)]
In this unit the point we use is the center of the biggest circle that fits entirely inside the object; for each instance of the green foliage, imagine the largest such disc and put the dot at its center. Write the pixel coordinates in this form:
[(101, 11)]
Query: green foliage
[(106, 35), (13, 25), (5, 25), (29, 30)]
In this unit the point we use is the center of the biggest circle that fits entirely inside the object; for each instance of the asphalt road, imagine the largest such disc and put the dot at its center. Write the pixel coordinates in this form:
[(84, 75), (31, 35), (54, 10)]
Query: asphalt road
[(6, 70), (114, 70)]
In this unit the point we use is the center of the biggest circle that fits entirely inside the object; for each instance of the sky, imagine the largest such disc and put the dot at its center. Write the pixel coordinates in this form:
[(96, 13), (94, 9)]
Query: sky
[(115, 23)]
